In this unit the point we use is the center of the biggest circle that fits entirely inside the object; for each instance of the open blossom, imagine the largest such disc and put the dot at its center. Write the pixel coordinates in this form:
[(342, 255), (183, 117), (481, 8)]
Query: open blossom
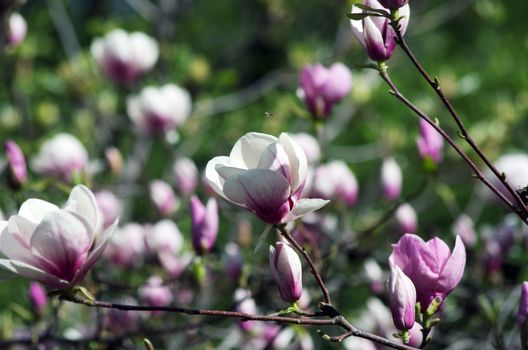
[(286, 269), (391, 179), (17, 162), (157, 110), (321, 88), (430, 142), (52, 245), (123, 57), (375, 33), (433, 269), (61, 156), (266, 175), (17, 29), (204, 224), (335, 181), (163, 197), (402, 295)]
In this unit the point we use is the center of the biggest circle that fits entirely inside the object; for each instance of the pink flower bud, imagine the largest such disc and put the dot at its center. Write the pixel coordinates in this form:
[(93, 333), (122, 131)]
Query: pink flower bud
[(204, 224), (375, 33), (402, 295), (110, 207), (415, 335), (432, 268), (124, 57), (464, 227), (245, 304), (266, 175), (286, 269), (406, 218), (321, 88), (154, 293), (391, 179), (393, 4), (185, 175), (430, 142), (127, 246), (158, 110), (335, 181), (164, 236), (163, 197), (61, 156), (37, 297), (523, 306), (309, 145), (17, 29), (17, 162)]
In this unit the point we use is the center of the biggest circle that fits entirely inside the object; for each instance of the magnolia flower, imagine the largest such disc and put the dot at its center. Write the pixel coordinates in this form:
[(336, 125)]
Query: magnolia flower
[(415, 335), (286, 269), (309, 145), (321, 88), (204, 221), (245, 304), (164, 236), (266, 175), (430, 142), (157, 110), (127, 246), (391, 179), (123, 57), (335, 181), (17, 29), (402, 295), (109, 205), (432, 268), (61, 156), (375, 33), (52, 245), (185, 175), (465, 228), (163, 197), (393, 4), (17, 162), (515, 167), (406, 218), (154, 293), (37, 297)]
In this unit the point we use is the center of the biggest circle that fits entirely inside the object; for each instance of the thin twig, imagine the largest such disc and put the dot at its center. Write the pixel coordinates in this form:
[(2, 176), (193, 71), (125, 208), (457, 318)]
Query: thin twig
[(313, 269)]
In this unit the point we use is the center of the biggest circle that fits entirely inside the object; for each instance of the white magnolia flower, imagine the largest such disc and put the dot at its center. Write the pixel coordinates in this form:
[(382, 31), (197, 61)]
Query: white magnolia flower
[(60, 156), (123, 56), (266, 175), (161, 109), (52, 245)]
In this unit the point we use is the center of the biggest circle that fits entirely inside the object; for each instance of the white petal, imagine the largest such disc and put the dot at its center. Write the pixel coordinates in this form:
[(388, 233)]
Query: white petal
[(35, 209), (82, 202), (15, 238), (33, 273), (298, 162), (212, 176), (247, 150), (305, 206)]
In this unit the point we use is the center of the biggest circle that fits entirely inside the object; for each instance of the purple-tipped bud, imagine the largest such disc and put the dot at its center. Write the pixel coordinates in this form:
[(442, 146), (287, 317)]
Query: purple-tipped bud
[(163, 197), (402, 295), (523, 306), (321, 88), (375, 33), (17, 29), (406, 218), (433, 269), (204, 224), (430, 142), (286, 269), (393, 4), (37, 297), (185, 175), (391, 179), (17, 162), (415, 335)]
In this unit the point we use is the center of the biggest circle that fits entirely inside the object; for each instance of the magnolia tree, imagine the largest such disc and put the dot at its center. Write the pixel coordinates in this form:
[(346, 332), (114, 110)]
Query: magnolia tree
[(151, 225)]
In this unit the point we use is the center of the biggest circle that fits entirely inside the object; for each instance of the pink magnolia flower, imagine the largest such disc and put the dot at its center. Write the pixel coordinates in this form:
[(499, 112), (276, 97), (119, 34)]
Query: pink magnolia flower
[(286, 269), (185, 175), (127, 246), (154, 293), (375, 33), (37, 297), (204, 221), (163, 197), (52, 245), (415, 335), (335, 181), (393, 4), (321, 87), (17, 29), (17, 162), (391, 179), (157, 110), (430, 142), (245, 304), (61, 156), (402, 295), (432, 268), (265, 175), (406, 218), (124, 57)]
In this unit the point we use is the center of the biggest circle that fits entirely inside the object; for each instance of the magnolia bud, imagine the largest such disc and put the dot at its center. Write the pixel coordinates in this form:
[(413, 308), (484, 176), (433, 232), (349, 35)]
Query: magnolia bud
[(406, 218), (402, 295), (185, 175), (391, 179), (17, 163), (154, 293), (430, 142), (204, 224), (37, 297), (163, 197), (286, 269), (393, 4), (17, 29)]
